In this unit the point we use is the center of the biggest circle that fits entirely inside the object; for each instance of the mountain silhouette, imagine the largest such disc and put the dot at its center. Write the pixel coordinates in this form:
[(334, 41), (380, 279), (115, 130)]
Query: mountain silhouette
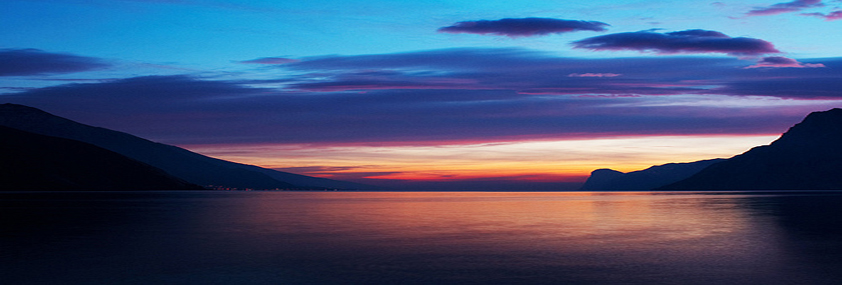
[(38, 162), (807, 157), (189, 166), (647, 179)]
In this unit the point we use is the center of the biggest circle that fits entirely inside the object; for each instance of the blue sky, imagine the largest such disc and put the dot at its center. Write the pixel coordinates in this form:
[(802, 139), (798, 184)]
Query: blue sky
[(370, 90), (213, 33)]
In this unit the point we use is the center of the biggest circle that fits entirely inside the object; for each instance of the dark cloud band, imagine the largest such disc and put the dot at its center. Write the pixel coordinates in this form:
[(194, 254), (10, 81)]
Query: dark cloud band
[(23, 62), (459, 95), (523, 27), (786, 7), (689, 41)]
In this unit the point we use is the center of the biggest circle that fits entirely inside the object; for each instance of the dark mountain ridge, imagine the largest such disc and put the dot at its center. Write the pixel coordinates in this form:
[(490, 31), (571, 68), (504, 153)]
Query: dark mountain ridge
[(641, 180), (806, 157), (38, 162), (189, 166)]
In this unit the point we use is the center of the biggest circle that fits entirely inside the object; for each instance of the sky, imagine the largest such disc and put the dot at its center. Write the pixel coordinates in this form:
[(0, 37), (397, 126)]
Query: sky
[(434, 94)]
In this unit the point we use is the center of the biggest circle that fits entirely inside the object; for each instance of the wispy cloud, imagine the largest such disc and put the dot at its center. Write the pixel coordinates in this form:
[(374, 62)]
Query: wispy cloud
[(778, 62), (349, 173), (786, 7), (23, 62), (787, 87), (832, 16), (523, 27), (593, 75), (270, 60), (688, 41)]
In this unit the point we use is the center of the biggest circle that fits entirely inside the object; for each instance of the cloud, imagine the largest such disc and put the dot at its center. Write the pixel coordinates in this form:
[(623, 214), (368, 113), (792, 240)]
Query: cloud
[(270, 60), (348, 173), (778, 61), (318, 169), (521, 71), (523, 27), (181, 110), (787, 7), (832, 16), (24, 62), (454, 96), (593, 75), (688, 41), (787, 87)]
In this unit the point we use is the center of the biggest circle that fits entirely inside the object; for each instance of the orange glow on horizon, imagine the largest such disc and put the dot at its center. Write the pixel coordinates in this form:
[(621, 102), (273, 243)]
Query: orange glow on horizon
[(557, 161), (414, 176)]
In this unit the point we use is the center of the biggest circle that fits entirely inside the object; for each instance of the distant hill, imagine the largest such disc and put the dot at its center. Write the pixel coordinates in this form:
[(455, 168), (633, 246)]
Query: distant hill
[(38, 162), (647, 179), (179, 162), (807, 157)]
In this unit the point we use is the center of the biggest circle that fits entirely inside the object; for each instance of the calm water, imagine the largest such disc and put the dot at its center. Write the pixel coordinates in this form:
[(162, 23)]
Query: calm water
[(420, 238)]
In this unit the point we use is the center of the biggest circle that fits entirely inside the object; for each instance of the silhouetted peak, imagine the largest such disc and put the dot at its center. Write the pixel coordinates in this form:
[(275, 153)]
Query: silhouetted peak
[(186, 165), (599, 178), (606, 172), (806, 157), (818, 128), (37, 162), (11, 108), (647, 179), (15, 114), (13, 105)]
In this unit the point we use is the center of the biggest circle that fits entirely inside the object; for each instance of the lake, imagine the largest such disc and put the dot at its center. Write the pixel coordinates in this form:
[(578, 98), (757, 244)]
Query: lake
[(209, 237)]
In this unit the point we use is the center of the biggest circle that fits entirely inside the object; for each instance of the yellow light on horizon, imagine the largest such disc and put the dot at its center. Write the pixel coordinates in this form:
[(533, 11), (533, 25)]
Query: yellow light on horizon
[(561, 158)]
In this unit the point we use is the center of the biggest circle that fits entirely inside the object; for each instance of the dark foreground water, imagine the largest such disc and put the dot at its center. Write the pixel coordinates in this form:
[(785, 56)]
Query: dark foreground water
[(420, 238)]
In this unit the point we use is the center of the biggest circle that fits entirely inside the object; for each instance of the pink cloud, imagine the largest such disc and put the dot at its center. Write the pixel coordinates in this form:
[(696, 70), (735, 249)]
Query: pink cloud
[(835, 15), (787, 7), (593, 75), (779, 61)]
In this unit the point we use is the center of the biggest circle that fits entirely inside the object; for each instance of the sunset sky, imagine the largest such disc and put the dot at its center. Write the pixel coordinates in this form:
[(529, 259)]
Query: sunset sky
[(388, 92)]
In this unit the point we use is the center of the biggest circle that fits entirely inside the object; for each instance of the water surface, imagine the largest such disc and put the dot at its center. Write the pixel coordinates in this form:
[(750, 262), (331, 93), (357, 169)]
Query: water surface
[(421, 238)]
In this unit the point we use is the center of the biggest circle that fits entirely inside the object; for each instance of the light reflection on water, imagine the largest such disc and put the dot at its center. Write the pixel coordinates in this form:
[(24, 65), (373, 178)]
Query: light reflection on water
[(421, 238)]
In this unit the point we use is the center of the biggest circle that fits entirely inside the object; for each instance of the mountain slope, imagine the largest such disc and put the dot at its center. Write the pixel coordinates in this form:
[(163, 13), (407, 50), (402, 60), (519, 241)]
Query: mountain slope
[(647, 179), (807, 157), (187, 165), (37, 162)]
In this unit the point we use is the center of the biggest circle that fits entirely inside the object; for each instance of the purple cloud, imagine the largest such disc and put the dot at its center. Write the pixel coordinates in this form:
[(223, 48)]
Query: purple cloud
[(383, 117), (23, 62), (593, 75), (485, 69), (689, 41), (787, 7), (270, 60), (778, 61), (529, 72), (832, 16), (479, 95), (523, 27), (810, 88)]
